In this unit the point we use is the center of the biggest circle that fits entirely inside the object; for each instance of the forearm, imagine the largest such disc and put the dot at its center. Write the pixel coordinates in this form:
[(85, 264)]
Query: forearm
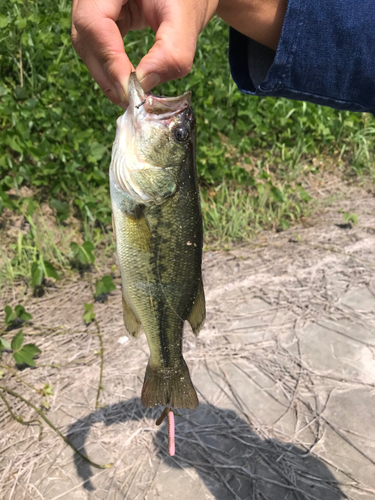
[(260, 20), (325, 52)]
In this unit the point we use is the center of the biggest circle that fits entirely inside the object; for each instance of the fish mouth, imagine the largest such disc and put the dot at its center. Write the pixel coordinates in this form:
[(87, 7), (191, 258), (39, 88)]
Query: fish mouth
[(152, 106), (147, 116)]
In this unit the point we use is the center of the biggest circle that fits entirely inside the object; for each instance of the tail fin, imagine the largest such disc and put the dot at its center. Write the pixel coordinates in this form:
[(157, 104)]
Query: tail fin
[(169, 386)]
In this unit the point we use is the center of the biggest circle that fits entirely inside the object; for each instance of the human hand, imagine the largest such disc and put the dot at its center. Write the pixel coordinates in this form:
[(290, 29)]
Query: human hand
[(98, 27)]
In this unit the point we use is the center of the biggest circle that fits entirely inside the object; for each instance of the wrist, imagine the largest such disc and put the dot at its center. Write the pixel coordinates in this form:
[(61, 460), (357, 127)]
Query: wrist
[(260, 20)]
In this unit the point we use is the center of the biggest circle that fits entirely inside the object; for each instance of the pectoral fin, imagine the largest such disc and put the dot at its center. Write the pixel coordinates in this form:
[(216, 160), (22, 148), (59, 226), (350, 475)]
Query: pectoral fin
[(198, 312), (132, 323), (137, 231)]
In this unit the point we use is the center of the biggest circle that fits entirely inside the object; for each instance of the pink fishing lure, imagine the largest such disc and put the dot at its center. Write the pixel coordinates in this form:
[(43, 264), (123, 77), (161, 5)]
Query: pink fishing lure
[(171, 444)]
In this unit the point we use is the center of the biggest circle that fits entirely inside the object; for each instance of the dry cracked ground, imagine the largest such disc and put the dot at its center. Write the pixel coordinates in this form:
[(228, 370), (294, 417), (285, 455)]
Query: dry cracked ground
[(284, 368)]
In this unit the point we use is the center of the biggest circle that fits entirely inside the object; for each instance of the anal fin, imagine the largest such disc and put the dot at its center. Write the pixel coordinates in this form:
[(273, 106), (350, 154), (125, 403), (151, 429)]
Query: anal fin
[(132, 323), (198, 311)]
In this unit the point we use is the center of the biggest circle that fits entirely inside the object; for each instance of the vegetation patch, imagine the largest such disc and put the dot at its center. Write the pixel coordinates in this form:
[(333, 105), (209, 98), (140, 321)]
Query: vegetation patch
[(57, 128)]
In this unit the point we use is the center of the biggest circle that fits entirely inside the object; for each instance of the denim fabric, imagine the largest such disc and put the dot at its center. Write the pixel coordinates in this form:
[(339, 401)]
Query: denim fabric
[(326, 55)]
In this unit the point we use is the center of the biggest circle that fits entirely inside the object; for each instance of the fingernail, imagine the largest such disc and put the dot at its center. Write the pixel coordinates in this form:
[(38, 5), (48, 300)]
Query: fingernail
[(122, 93), (150, 81)]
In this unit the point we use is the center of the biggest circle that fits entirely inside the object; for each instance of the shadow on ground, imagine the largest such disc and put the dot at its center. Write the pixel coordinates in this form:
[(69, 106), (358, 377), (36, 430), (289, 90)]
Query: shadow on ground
[(231, 459)]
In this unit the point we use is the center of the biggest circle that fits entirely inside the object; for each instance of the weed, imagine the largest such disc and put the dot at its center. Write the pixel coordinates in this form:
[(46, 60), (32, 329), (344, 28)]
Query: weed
[(15, 318), (83, 253), (57, 128), (23, 353), (348, 217), (237, 213), (103, 287), (64, 154), (89, 315), (31, 255), (38, 250)]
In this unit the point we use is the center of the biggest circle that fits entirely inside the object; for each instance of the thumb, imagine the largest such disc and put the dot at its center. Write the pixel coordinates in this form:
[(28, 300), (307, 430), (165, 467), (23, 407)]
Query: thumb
[(171, 56)]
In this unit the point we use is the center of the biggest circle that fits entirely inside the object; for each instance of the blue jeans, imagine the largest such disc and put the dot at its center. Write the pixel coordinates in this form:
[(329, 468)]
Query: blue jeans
[(326, 55)]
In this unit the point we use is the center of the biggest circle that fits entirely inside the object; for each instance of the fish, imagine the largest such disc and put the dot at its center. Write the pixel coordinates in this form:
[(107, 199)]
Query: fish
[(157, 222)]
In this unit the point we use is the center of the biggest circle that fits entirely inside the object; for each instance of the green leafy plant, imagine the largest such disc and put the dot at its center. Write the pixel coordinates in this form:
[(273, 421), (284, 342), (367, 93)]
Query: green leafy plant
[(57, 128), (348, 217), (23, 353), (4, 344), (30, 252), (17, 316), (84, 253), (89, 315), (6, 202), (47, 391), (64, 155), (104, 286), (61, 207), (40, 270)]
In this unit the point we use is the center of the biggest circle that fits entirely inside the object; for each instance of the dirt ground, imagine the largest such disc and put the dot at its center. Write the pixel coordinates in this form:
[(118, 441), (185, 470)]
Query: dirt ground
[(284, 369)]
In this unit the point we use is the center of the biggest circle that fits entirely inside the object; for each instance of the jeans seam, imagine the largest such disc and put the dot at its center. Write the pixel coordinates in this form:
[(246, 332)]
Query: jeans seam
[(280, 83), (298, 31)]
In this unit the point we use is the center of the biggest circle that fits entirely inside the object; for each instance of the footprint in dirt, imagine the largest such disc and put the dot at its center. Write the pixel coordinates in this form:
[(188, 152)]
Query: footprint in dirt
[(230, 457)]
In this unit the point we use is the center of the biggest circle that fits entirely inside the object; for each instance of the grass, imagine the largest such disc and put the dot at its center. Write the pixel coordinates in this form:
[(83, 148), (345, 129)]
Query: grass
[(19, 249), (236, 213), (28, 238), (57, 127)]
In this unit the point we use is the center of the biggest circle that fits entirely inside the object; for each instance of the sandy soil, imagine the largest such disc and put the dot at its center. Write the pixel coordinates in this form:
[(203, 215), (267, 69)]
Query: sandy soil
[(284, 368)]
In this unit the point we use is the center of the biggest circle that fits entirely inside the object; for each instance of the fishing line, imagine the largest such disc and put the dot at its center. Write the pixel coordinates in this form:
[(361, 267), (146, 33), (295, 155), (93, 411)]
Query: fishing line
[(139, 105)]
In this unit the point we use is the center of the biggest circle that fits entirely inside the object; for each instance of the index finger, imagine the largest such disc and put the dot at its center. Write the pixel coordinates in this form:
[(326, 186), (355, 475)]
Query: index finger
[(97, 40)]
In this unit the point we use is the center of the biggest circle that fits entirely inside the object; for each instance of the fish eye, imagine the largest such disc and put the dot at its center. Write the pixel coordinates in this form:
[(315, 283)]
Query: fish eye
[(181, 134)]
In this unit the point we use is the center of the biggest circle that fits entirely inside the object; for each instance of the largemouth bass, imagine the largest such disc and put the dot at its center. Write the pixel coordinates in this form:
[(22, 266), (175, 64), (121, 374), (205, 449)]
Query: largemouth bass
[(158, 228)]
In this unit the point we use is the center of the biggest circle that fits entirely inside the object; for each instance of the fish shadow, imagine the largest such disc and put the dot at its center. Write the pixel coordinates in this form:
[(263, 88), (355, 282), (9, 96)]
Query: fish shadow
[(230, 457)]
